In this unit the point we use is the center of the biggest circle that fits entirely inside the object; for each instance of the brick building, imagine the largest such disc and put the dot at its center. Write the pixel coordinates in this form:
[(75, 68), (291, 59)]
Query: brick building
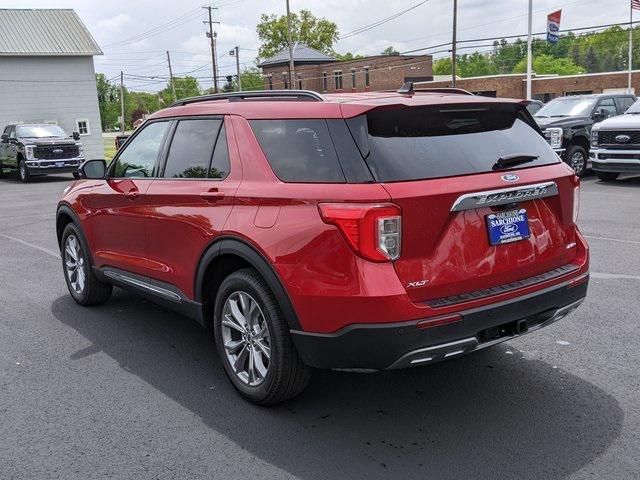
[(317, 71), (543, 87)]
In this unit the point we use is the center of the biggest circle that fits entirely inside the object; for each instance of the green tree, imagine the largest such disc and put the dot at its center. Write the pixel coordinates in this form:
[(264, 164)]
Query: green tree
[(318, 33), (546, 64), (251, 79), (346, 56), (442, 66), (591, 60), (390, 51), (185, 87), (108, 102)]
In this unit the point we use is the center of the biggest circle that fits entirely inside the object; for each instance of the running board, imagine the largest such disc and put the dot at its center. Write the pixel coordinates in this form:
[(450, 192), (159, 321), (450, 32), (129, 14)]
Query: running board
[(162, 293)]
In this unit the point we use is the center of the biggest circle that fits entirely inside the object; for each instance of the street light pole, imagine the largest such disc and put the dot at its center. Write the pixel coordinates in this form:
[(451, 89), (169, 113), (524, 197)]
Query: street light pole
[(121, 102), (238, 68), (212, 36)]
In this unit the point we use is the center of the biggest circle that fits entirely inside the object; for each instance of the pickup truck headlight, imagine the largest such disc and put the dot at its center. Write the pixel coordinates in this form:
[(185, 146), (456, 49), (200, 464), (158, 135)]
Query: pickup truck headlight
[(29, 152), (594, 138), (80, 150), (554, 137)]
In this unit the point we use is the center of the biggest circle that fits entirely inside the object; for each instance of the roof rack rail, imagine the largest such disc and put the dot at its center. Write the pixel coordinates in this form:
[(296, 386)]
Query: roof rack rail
[(297, 95), (459, 91)]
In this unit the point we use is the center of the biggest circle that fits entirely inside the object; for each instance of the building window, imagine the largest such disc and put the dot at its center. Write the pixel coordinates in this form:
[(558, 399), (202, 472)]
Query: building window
[(353, 78), (82, 126), (299, 82), (270, 79), (579, 92), (337, 77), (325, 85), (367, 80)]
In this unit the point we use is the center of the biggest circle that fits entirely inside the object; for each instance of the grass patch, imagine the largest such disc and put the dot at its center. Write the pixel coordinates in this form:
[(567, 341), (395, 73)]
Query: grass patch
[(109, 148)]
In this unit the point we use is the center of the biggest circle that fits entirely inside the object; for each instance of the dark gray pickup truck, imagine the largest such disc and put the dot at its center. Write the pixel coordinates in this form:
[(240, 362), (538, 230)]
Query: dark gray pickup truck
[(39, 149)]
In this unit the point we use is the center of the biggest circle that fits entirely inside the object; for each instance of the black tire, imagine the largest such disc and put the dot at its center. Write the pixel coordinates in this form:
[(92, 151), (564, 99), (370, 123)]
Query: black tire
[(608, 176), (23, 172), (286, 376), (577, 158), (93, 291)]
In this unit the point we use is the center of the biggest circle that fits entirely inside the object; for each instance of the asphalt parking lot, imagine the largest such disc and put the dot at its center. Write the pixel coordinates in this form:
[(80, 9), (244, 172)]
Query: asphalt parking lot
[(129, 390)]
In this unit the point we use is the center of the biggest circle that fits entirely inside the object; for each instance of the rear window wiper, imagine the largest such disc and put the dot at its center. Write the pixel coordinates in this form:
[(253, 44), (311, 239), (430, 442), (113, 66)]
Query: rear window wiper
[(509, 160)]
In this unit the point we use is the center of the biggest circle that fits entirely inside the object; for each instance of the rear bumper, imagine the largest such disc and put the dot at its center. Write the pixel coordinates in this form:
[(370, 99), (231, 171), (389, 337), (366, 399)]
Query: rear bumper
[(399, 345)]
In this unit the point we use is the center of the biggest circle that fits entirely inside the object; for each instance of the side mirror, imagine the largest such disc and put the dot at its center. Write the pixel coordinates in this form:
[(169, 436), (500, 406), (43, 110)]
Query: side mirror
[(93, 169), (600, 114), (4, 138), (76, 136)]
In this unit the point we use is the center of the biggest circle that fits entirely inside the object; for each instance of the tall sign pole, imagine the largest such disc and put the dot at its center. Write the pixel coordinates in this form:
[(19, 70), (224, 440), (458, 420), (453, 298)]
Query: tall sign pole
[(529, 41), (453, 43), (291, 66)]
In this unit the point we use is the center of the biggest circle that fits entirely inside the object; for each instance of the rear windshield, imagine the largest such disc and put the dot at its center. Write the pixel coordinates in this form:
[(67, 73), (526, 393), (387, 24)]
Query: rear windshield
[(413, 143)]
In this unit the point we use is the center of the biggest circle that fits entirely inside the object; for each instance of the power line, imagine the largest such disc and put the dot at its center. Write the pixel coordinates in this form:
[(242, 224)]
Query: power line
[(370, 26)]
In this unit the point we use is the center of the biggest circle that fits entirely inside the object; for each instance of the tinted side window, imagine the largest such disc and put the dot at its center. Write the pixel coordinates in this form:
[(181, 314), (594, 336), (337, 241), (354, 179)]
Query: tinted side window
[(624, 103), (609, 106), (220, 164), (192, 148), (139, 157), (299, 150)]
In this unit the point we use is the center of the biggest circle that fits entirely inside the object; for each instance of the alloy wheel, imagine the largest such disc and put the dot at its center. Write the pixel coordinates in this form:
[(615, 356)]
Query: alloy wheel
[(74, 264), (577, 162), (246, 339)]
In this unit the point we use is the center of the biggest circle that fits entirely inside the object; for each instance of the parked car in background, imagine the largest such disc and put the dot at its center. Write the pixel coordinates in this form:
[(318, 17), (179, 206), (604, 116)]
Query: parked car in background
[(615, 145), (567, 121), (39, 149), (365, 231), (534, 106)]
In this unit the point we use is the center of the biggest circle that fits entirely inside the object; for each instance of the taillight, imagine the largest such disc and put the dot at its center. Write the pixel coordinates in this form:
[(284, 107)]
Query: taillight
[(576, 202), (374, 231)]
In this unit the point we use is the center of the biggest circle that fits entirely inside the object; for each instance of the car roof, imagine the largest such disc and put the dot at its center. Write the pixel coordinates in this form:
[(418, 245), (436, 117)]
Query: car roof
[(597, 95), (338, 105)]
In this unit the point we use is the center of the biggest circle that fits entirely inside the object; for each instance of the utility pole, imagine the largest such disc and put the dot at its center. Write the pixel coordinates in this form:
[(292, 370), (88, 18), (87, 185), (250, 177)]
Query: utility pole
[(529, 54), (121, 102), (236, 52), (453, 43), (291, 66), (212, 36), (173, 88)]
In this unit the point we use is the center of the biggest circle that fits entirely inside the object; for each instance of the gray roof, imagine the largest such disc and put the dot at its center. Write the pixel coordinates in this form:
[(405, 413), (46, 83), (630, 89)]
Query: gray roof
[(44, 32), (301, 54)]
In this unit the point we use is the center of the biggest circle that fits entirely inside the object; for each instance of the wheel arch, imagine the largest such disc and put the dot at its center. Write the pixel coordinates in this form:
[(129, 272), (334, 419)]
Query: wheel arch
[(64, 216), (227, 255)]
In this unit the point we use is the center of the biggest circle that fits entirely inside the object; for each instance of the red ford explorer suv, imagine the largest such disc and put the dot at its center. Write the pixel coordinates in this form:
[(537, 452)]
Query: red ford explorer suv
[(355, 231)]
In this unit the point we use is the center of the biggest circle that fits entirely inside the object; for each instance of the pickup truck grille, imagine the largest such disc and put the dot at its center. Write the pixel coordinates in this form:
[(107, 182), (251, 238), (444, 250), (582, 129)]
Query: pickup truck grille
[(56, 152), (608, 139)]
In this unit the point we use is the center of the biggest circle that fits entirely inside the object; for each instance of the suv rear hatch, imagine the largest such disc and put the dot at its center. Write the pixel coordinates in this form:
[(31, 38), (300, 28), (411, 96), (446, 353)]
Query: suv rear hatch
[(457, 246)]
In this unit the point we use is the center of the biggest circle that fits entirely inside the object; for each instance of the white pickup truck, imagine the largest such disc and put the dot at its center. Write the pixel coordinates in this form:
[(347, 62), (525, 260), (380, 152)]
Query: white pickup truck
[(615, 145)]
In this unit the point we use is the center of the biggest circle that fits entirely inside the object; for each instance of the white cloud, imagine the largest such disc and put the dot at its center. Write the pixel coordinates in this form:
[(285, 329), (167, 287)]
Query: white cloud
[(115, 23)]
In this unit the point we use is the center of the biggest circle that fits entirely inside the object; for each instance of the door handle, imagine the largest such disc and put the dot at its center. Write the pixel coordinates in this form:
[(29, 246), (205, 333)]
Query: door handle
[(132, 194), (212, 195)]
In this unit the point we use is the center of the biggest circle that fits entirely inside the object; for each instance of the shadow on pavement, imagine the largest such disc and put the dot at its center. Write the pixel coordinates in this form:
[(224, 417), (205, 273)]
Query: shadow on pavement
[(12, 178), (487, 415)]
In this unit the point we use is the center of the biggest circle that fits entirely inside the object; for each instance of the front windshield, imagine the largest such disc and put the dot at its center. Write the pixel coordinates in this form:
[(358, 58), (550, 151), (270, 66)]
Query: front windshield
[(40, 131), (567, 107), (635, 108)]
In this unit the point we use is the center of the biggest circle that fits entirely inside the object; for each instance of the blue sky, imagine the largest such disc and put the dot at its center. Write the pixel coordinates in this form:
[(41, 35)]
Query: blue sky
[(113, 23)]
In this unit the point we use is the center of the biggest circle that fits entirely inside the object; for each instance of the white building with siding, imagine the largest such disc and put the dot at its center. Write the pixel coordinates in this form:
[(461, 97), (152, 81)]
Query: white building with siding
[(47, 73)]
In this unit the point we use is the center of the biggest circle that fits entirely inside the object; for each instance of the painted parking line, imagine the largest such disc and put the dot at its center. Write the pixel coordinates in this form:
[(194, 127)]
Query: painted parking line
[(609, 239), (37, 247)]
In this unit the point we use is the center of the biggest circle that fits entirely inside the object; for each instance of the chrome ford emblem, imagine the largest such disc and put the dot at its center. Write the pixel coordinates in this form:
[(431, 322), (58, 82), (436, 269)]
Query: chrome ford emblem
[(508, 228), (58, 150), (510, 177), (622, 138)]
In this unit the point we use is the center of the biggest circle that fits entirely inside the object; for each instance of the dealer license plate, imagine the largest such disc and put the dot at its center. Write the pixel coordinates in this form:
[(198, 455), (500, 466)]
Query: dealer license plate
[(507, 227), (59, 164)]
